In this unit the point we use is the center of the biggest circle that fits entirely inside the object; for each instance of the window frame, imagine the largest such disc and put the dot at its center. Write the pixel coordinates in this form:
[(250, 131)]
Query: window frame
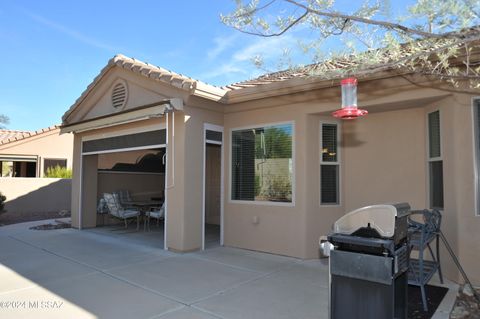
[(434, 159), (476, 153), (338, 163), (230, 146)]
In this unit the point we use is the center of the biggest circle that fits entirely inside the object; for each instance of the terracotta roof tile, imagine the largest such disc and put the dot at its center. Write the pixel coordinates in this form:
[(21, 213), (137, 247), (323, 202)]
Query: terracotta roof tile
[(9, 136)]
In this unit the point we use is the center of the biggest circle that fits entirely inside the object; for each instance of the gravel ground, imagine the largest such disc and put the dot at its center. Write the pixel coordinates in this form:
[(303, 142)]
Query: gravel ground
[(466, 307), (8, 218)]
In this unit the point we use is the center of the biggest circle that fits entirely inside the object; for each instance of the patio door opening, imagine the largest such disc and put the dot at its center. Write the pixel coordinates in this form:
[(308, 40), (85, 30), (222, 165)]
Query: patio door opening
[(212, 188)]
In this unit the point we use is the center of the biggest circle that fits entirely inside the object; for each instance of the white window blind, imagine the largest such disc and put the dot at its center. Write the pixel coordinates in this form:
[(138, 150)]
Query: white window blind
[(262, 167), (435, 161), (329, 164)]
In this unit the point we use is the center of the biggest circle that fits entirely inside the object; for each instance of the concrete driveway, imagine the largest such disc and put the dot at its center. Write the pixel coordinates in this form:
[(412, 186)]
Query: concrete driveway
[(84, 274)]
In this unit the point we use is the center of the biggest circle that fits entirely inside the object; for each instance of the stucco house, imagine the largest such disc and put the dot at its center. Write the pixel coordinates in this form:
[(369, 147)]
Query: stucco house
[(31, 153), (265, 160)]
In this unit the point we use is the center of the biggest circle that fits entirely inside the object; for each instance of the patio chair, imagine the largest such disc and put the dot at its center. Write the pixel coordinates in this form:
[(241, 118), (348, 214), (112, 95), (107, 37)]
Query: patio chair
[(116, 210), (421, 235), (123, 197), (157, 213)]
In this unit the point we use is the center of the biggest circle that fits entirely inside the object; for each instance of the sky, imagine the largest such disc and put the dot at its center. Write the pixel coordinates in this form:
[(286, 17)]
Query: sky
[(51, 50)]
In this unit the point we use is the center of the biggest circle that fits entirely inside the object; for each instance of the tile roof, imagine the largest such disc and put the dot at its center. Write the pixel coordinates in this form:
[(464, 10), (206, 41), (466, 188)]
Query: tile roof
[(383, 60), (149, 71), (9, 136)]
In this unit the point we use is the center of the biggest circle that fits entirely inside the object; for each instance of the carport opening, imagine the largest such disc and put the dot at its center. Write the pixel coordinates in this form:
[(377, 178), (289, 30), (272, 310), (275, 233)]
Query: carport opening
[(138, 176)]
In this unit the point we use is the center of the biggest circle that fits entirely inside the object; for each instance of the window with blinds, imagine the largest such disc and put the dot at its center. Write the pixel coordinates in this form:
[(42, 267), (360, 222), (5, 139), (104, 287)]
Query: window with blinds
[(329, 164), (435, 162), (262, 164)]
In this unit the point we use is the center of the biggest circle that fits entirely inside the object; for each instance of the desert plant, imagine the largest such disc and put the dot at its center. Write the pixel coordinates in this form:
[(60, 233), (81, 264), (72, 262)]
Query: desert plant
[(3, 198), (58, 172), (280, 189)]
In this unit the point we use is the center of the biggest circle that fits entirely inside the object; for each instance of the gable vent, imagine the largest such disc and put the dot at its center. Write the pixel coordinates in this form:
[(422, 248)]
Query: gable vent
[(119, 95)]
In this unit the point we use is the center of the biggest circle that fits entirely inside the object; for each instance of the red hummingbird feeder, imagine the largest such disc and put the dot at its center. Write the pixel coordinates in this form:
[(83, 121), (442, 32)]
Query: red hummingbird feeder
[(349, 108)]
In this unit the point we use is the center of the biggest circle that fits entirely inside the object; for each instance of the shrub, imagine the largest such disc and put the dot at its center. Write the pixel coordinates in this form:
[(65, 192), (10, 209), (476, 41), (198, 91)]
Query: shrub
[(58, 172), (3, 198)]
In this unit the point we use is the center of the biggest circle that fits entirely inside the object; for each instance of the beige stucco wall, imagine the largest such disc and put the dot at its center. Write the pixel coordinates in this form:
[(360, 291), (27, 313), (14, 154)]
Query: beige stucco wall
[(279, 225), (197, 115), (36, 195), (45, 145)]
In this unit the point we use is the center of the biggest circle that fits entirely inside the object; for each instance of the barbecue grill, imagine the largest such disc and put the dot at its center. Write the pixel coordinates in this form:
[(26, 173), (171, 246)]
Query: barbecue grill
[(369, 263)]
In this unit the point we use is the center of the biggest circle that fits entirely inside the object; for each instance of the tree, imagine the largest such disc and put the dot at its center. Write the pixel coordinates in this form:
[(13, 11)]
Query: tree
[(4, 120), (439, 39)]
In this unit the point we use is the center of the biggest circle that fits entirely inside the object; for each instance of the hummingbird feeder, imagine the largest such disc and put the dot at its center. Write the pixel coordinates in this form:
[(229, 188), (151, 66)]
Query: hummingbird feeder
[(349, 108)]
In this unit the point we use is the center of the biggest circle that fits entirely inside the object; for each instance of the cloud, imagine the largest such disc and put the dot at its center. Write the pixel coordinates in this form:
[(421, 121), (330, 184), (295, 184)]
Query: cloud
[(221, 44), (268, 48), (238, 65), (71, 33)]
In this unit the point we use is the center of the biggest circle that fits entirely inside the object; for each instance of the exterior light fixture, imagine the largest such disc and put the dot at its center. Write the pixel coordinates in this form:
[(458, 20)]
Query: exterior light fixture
[(349, 108)]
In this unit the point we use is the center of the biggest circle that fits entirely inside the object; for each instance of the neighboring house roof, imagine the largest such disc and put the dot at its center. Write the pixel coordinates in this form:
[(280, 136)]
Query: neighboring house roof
[(9, 136)]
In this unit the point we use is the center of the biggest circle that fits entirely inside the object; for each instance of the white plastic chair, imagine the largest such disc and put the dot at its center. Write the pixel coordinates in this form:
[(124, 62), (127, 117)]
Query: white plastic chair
[(117, 211)]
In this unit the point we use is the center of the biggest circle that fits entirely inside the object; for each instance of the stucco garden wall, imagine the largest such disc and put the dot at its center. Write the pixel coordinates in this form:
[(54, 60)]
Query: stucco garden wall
[(35, 195)]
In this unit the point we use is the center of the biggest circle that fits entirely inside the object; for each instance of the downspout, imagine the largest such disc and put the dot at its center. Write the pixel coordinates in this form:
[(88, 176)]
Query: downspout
[(167, 187)]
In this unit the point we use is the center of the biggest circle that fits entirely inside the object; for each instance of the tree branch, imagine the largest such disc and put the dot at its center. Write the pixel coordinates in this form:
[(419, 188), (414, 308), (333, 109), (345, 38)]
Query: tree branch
[(388, 25), (269, 35)]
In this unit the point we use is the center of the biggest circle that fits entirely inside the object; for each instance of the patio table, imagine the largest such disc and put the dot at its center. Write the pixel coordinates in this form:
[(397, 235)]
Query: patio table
[(143, 206)]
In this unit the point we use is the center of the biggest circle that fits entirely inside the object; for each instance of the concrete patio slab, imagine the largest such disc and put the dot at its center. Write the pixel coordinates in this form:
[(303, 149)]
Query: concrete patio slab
[(97, 275), (96, 250), (42, 267), (184, 278), (284, 294), (187, 313), (260, 262), (99, 295)]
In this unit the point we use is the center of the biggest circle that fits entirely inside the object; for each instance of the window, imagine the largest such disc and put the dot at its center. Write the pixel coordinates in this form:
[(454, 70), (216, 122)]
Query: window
[(435, 163), (262, 167), (329, 164), (476, 125), (50, 163)]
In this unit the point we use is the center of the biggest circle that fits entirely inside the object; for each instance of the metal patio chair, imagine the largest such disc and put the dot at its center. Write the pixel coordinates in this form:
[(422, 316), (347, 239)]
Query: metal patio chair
[(116, 210), (421, 235), (157, 213)]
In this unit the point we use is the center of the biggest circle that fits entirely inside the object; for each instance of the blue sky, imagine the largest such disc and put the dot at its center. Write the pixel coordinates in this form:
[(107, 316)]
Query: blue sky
[(51, 50)]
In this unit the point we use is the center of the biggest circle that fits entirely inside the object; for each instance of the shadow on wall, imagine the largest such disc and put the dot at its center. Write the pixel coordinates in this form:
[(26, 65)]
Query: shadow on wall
[(26, 196)]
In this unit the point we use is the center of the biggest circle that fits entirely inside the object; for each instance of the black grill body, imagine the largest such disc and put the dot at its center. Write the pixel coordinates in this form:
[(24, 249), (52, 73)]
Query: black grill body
[(369, 264)]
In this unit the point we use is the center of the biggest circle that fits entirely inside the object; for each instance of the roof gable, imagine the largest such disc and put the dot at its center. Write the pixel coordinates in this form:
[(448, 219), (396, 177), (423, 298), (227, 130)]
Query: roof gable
[(147, 71)]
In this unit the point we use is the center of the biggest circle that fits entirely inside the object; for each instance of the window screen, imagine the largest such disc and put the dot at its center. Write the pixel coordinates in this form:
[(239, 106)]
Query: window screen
[(213, 136), (434, 133), (51, 163), (125, 141), (435, 161), (330, 165), (476, 114), (262, 164)]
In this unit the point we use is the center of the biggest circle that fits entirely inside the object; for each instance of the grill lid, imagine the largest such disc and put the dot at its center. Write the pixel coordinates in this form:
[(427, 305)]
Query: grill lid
[(381, 218)]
